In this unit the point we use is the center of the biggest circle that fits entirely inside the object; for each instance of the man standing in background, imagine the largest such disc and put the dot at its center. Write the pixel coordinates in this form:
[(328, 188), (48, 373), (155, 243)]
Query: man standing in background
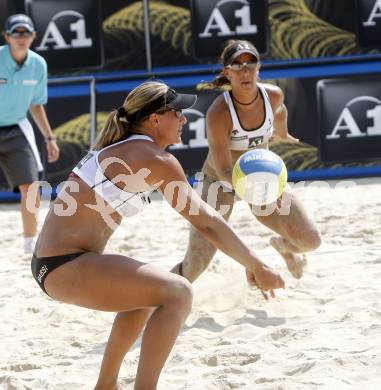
[(23, 87)]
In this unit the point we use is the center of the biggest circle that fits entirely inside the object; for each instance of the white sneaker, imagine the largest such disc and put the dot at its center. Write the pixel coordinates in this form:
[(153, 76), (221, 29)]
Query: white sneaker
[(29, 244)]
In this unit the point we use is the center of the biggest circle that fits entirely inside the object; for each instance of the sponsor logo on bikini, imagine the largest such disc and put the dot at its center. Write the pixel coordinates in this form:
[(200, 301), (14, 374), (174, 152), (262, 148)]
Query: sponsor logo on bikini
[(253, 142), (240, 138), (43, 271)]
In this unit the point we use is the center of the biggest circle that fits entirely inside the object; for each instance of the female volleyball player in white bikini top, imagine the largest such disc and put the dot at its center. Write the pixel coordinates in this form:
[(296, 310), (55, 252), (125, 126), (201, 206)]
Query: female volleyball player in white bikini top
[(111, 181), (240, 119)]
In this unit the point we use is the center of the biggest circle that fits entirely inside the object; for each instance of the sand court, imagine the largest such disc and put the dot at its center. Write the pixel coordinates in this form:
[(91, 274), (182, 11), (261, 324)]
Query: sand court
[(321, 332)]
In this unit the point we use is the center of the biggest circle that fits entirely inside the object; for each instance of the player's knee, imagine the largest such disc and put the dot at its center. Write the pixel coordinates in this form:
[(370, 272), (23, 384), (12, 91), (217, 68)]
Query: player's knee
[(180, 294), (313, 240), (309, 240)]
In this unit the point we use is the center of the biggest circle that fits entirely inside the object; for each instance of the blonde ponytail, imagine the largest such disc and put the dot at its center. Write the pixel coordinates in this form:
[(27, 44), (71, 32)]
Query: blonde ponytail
[(114, 130)]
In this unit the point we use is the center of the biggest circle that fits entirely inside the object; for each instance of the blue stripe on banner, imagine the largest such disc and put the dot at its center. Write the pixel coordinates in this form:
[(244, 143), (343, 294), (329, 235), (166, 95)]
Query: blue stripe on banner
[(8, 196), (328, 173), (286, 69), (121, 74), (334, 173), (279, 64), (174, 82), (318, 71), (68, 90), (291, 71), (117, 86)]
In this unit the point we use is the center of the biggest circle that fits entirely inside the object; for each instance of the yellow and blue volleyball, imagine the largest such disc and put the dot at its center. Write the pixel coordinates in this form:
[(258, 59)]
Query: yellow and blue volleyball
[(259, 177)]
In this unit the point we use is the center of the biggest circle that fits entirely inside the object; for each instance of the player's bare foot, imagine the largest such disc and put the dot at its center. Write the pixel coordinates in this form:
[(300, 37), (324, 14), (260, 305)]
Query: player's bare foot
[(295, 262)]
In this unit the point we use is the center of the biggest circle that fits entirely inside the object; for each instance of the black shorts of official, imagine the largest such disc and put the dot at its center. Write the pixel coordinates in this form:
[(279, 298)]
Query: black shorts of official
[(17, 160)]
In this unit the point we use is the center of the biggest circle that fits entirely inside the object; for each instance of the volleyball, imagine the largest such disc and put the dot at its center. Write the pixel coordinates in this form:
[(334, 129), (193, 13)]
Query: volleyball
[(259, 177)]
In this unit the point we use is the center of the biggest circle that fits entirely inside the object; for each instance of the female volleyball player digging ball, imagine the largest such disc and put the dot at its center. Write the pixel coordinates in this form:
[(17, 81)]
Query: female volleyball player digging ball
[(127, 162), (240, 119)]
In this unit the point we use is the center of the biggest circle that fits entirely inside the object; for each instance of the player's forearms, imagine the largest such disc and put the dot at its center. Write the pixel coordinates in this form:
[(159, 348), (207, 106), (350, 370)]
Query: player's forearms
[(225, 176)]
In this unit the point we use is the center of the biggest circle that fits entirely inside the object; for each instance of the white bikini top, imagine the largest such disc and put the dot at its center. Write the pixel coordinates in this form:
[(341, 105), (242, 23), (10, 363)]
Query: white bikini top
[(90, 171), (241, 139)]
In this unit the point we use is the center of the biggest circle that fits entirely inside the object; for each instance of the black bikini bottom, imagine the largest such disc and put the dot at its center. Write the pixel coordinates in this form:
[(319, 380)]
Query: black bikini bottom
[(42, 266)]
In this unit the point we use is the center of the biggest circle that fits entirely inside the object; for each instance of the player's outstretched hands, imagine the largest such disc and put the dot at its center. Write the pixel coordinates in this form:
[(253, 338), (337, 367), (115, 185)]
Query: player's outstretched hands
[(265, 278)]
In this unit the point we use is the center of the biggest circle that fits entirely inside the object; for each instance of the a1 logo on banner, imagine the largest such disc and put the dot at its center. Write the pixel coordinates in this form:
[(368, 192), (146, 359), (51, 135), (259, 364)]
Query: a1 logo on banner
[(68, 32), (369, 23), (350, 118), (194, 132), (216, 21), (192, 151)]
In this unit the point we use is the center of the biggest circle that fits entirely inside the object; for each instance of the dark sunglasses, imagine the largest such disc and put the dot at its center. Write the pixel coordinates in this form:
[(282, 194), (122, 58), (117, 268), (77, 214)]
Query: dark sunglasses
[(237, 66), (178, 113), (21, 34)]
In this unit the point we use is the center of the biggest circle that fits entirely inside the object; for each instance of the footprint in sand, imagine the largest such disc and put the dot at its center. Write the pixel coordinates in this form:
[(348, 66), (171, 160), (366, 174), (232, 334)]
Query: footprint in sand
[(226, 356), (11, 383), (301, 369), (21, 367)]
